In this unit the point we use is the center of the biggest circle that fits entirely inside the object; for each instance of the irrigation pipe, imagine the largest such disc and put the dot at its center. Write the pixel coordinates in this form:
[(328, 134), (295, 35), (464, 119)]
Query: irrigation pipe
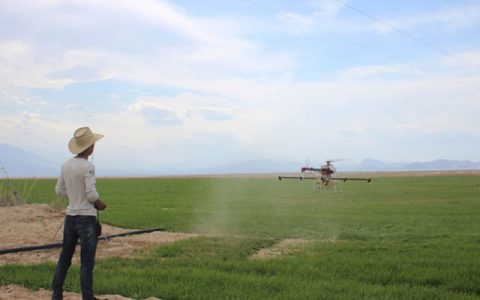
[(59, 245)]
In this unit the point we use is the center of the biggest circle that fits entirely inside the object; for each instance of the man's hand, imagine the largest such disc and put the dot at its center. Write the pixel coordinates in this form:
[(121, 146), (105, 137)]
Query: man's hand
[(99, 205)]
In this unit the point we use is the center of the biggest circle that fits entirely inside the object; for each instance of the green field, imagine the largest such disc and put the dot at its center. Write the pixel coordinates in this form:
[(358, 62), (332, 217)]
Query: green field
[(396, 238)]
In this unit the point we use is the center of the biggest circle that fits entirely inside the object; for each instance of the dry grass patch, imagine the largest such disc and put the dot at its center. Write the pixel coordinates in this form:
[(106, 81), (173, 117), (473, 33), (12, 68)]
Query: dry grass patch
[(284, 247)]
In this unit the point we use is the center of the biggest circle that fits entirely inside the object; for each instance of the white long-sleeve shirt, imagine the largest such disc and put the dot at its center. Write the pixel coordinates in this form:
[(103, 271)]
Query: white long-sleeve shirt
[(77, 183)]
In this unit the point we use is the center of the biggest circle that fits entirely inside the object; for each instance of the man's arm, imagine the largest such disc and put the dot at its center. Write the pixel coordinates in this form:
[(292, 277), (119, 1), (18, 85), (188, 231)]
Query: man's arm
[(91, 189), (60, 188)]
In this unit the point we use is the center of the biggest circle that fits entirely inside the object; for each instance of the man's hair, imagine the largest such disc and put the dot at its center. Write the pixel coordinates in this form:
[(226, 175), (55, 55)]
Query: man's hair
[(84, 151)]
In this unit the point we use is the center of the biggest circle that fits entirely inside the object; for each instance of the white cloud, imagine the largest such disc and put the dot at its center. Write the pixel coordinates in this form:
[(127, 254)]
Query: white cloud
[(325, 17), (449, 18), (209, 93), (45, 136), (94, 47), (20, 66)]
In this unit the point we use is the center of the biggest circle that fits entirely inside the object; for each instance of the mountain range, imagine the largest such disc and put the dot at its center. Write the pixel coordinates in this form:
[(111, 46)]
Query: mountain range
[(16, 162)]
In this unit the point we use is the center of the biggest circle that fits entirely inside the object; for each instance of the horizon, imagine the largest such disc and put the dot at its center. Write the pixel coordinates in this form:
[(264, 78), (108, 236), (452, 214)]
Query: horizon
[(24, 164)]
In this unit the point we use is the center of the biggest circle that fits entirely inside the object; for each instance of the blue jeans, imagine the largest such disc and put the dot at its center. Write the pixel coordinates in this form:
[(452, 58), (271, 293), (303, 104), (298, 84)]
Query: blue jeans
[(75, 228)]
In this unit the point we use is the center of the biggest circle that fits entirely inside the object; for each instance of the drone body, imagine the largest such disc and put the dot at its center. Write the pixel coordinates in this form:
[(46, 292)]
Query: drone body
[(324, 178)]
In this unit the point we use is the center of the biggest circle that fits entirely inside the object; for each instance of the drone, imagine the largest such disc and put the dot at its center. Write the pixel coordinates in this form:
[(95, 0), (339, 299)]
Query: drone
[(324, 178)]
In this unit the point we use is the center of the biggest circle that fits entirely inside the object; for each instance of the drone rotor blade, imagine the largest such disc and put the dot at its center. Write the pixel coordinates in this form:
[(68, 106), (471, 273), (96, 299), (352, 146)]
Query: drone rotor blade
[(301, 178), (352, 179)]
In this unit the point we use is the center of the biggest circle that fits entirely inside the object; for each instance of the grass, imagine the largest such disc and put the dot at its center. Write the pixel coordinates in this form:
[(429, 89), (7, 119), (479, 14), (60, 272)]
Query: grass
[(396, 238), (11, 194)]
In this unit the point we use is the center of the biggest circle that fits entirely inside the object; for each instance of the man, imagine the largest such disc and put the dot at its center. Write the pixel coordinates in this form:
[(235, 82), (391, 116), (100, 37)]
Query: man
[(77, 183)]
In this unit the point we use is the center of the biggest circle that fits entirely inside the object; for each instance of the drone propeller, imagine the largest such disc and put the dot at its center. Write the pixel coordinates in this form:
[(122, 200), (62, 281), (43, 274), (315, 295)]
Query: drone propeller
[(335, 160)]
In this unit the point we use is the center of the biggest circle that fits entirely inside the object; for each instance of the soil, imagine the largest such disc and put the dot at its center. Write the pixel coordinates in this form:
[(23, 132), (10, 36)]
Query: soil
[(38, 224)]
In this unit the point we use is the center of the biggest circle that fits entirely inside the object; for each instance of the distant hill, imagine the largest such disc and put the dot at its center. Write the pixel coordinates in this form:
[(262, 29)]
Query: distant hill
[(20, 163), (370, 165), (443, 164), (436, 165)]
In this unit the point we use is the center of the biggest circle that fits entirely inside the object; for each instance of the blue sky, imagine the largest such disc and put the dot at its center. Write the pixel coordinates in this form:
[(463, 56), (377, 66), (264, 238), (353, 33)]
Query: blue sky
[(205, 83)]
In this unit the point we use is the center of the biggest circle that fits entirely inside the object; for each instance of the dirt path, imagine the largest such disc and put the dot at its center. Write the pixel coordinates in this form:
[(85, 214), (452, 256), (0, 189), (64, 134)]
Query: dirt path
[(15, 292), (36, 224)]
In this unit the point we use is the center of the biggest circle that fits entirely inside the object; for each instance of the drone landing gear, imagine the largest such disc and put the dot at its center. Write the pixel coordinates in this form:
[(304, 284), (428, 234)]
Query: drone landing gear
[(322, 185)]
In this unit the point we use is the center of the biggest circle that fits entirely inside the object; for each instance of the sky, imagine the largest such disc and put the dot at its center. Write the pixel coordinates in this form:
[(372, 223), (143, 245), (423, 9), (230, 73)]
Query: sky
[(183, 86)]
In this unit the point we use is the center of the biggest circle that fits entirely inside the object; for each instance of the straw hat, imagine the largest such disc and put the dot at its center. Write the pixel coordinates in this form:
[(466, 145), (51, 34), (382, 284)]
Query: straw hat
[(82, 139)]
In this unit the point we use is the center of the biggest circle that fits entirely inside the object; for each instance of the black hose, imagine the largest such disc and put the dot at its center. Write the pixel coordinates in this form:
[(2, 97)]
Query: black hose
[(59, 245)]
